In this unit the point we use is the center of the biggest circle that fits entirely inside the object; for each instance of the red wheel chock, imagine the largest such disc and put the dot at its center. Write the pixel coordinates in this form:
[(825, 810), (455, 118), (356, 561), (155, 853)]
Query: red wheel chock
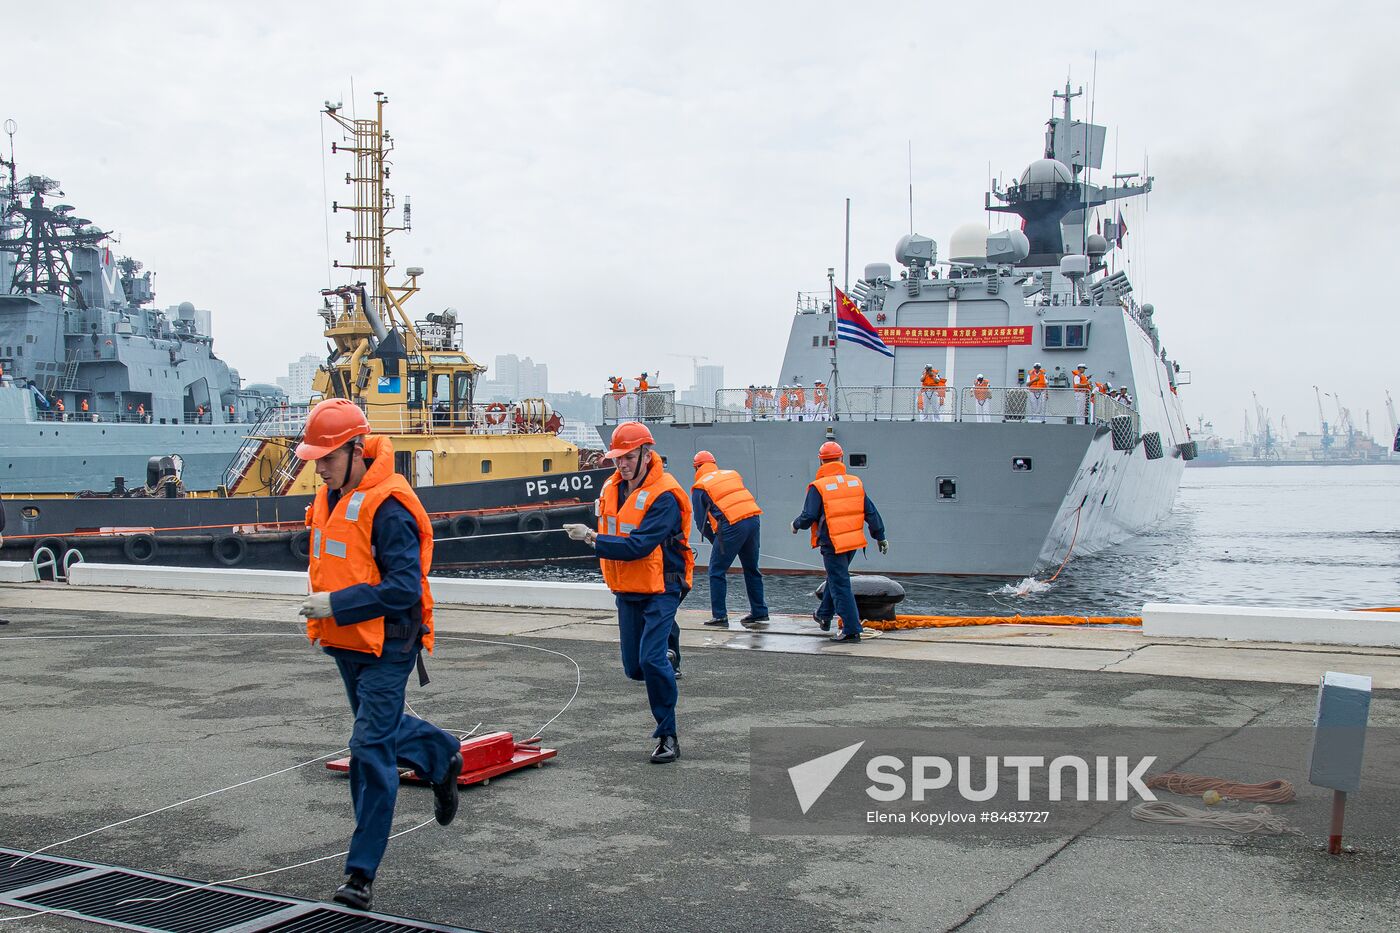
[(483, 757)]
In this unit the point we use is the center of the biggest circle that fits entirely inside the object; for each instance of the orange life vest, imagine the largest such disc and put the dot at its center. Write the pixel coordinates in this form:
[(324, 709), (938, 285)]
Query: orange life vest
[(819, 395), (800, 398), (843, 504), (342, 553), (748, 398), (981, 390), (727, 491), (646, 574), (1081, 381), (1037, 379), (59, 403), (85, 405), (642, 385), (617, 387), (1101, 387)]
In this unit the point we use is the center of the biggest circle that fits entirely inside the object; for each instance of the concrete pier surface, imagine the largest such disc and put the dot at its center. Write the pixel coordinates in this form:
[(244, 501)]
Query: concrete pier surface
[(117, 702)]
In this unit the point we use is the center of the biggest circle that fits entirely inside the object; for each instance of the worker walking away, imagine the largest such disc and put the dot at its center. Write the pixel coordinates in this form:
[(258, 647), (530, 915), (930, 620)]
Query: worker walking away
[(982, 398), (371, 610), (1082, 386), (727, 516), (644, 520), (1037, 382), (837, 510)]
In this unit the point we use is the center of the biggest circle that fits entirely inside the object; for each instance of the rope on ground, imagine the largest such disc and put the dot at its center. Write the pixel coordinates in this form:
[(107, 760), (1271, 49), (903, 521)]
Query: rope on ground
[(915, 622), (1194, 785), (1258, 820)]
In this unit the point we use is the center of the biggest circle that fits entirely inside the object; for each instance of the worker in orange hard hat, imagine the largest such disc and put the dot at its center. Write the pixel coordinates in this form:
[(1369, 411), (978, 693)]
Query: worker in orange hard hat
[(643, 525), (372, 611), (837, 510), (727, 516)]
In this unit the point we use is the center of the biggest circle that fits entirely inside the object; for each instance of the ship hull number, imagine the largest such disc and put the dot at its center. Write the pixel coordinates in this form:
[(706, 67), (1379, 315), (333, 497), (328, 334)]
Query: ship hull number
[(563, 485)]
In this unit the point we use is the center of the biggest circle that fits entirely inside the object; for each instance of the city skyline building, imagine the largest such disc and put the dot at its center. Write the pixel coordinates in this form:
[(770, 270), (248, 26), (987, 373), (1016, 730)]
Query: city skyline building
[(300, 377)]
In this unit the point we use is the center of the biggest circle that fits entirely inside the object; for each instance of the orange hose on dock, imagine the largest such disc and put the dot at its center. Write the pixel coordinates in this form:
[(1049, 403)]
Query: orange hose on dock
[(912, 622)]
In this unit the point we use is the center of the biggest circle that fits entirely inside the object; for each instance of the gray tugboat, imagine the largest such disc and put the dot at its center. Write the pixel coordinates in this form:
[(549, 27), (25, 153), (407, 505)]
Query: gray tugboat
[(96, 380), (973, 476)]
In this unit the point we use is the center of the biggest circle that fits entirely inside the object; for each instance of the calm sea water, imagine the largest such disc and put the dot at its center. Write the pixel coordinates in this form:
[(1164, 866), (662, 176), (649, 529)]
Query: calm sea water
[(1266, 536)]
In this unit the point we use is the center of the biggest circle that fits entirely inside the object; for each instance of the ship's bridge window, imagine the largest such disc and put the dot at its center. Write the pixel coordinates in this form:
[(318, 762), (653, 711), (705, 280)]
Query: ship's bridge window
[(1064, 335)]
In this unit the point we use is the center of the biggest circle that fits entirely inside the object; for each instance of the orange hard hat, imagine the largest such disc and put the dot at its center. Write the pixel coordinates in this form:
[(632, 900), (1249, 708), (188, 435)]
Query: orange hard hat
[(831, 451), (703, 456), (628, 436), (331, 424)]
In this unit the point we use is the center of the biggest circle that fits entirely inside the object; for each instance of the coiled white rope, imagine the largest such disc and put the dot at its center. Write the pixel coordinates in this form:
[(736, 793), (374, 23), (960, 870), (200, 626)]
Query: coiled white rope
[(1258, 820)]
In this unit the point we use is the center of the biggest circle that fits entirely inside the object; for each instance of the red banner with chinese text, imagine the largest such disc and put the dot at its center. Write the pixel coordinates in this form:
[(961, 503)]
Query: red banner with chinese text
[(955, 336)]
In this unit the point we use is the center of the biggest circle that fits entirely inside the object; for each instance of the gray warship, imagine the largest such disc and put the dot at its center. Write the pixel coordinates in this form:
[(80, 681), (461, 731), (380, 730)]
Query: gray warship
[(993, 476), (97, 380)]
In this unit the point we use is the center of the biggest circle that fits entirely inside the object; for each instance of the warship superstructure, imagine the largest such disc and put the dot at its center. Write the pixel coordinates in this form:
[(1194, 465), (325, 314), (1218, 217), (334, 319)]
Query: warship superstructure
[(96, 379), (992, 476), (496, 478)]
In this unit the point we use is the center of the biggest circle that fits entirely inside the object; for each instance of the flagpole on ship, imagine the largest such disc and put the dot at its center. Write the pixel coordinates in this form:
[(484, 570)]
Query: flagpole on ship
[(832, 394)]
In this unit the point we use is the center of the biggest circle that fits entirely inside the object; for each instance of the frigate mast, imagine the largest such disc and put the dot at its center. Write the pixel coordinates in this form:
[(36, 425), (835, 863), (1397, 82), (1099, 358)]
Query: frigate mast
[(370, 319)]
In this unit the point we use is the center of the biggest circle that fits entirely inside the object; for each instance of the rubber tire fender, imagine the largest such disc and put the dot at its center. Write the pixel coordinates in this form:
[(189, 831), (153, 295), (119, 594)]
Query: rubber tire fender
[(533, 525), (219, 548), (300, 545), (464, 526), (140, 548)]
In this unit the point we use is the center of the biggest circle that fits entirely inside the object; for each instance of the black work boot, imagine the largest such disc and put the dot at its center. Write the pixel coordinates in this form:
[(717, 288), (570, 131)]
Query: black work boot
[(355, 892), (445, 795), (668, 749), (675, 661)]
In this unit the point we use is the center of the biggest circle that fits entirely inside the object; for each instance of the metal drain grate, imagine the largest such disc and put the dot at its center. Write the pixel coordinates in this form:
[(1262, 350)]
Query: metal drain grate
[(15, 874), (331, 921), (95, 893), (190, 910)]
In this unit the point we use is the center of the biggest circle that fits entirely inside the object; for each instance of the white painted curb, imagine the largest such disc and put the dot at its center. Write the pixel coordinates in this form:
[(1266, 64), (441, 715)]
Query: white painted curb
[(447, 591), (1295, 626), (17, 571)]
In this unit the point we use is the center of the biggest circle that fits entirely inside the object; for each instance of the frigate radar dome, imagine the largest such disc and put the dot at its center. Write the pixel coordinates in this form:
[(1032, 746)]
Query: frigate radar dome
[(1095, 245), (913, 248), (968, 244), (1007, 246), (1148, 310), (877, 270), (186, 310), (1046, 171)]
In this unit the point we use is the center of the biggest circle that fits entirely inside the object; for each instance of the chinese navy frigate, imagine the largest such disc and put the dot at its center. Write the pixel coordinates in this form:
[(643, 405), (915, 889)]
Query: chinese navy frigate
[(94, 379), (985, 471)]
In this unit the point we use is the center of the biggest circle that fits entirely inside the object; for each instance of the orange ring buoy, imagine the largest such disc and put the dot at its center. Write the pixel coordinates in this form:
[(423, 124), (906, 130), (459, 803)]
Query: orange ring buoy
[(495, 413)]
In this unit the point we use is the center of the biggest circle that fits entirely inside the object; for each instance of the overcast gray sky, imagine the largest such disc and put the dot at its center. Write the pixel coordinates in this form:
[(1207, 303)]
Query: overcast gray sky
[(600, 185)]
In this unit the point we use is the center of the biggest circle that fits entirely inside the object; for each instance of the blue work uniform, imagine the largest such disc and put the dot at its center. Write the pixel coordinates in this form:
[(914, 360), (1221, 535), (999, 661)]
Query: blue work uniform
[(837, 598), (385, 738), (646, 622), (728, 541)]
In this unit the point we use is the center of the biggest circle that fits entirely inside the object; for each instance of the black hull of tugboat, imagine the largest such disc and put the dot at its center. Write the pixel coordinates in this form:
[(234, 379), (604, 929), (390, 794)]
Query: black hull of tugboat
[(476, 525)]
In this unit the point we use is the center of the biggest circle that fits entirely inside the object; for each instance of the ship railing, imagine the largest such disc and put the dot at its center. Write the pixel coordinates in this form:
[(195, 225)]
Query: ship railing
[(1106, 408), (1052, 405), (281, 421), (656, 405)]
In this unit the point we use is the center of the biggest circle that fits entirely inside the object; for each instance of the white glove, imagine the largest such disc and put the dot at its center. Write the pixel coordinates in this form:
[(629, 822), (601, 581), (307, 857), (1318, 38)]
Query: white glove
[(794, 528), (581, 533), (317, 606)]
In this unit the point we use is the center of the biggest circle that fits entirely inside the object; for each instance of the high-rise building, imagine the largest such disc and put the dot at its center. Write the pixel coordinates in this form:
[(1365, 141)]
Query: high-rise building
[(513, 378), (708, 381), (299, 378)]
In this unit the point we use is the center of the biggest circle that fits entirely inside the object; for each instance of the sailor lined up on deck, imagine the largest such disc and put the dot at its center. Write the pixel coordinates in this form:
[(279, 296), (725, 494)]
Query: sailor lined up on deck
[(1038, 383), (933, 395)]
